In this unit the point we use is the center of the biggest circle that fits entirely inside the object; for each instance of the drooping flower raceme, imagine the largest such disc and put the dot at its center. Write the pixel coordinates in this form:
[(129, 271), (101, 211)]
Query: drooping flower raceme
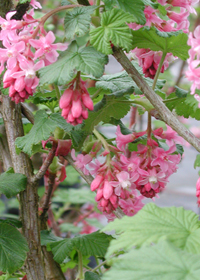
[(119, 178), (193, 72), (75, 102), (19, 40), (148, 59)]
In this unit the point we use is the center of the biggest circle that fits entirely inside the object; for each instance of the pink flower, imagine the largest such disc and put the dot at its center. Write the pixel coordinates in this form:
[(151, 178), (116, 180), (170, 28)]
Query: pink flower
[(198, 192), (81, 161), (35, 4), (46, 47), (149, 61), (185, 4), (169, 135), (124, 182), (153, 177), (122, 139), (75, 101)]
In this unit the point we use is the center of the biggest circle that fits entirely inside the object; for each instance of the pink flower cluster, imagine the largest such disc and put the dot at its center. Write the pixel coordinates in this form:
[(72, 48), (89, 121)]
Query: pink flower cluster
[(75, 101), (149, 60), (27, 48), (193, 72), (119, 177), (198, 192)]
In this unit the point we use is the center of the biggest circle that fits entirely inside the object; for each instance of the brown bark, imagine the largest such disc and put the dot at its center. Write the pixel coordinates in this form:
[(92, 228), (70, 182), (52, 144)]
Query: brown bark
[(5, 154), (28, 198)]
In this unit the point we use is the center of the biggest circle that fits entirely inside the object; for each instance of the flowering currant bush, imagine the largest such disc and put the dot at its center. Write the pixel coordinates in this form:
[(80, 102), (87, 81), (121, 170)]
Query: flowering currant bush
[(56, 98)]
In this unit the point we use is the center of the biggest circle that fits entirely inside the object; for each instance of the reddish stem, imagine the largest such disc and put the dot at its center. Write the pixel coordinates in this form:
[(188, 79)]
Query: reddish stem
[(46, 163), (149, 126)]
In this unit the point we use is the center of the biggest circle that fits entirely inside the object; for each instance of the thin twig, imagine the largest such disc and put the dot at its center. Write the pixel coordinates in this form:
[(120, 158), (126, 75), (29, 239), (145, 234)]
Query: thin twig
[(45, 164), (27, 113), (48, 193), (167, 116), (87, 178)]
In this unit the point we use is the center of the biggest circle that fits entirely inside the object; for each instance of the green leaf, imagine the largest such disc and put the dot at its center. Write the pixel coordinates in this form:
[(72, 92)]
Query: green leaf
[(24, 1), (197, 161), (47, 236), (13, 248), (12, 221), (42, 129), (180, 93), (86, 60), (160, 262), (77, 21), (12, 183), (122, 81), (135, 8), (110, 106), (152, 223), (167, 42), (185, 106), (91, 276), (93, 244), (113, 30)]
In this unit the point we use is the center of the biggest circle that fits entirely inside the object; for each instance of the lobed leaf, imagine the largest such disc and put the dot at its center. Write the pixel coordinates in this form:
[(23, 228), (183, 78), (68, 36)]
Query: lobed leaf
[(184, 106), (86, 60), (93, 244), (109, 107), (160, 262), (42, 129), (113, 30), (13, 248), (12, 183), (151, 223), (167, 42), (91, 276), (77, 21)]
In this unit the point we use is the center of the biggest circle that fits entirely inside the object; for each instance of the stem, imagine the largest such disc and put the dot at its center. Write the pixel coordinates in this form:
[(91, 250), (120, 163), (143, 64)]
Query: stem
[(87, 178), (96, 93), (80, 267), (58, 94), (149, 126), (66, 7), (103, 141), (45, 17), (171, 99), (27, 113), (167, 116), (97, 10), (99, 265), (45, 164), (28, 198), (158, 70), (48, 193)]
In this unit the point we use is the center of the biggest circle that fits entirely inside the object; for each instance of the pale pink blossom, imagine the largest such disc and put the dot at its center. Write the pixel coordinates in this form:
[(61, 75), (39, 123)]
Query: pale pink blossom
[(185, 4), (46, 49), (81, 161), (124, 182)]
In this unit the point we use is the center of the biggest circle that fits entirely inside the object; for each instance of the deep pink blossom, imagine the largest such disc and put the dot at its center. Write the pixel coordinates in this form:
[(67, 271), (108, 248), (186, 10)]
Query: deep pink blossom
[(75, 101), (198, 192)]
